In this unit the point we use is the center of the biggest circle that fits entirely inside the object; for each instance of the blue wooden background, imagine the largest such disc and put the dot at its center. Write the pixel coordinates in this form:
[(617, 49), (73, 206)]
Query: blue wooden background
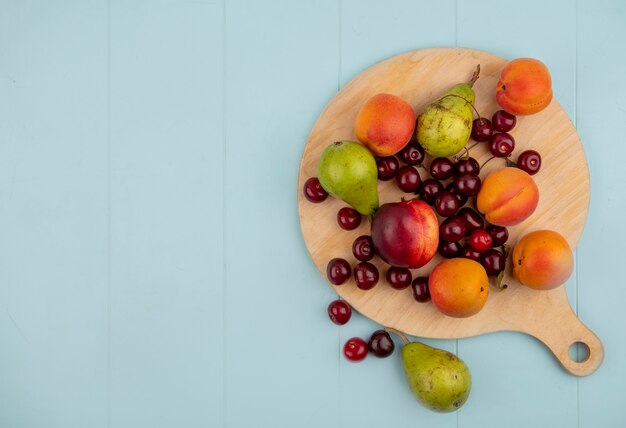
[(152, 270)]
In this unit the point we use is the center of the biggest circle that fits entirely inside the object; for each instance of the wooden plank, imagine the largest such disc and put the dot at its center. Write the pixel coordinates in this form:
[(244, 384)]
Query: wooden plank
[(601, 93), (166, 214), (281, 68), (374, 392), (517, 382), (53, 214)]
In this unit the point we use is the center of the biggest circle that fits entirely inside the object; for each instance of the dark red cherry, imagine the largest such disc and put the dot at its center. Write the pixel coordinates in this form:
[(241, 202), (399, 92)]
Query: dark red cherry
[(387, 167), (398, 277), (412, 154), (429, 190), (348, 218), (446, 204), (467, 184), (482, 130), (450, 250), (500, 234), (363, 248), (493, 261), (452, 229), (339, 312), (421, 292), (441, 168), (381, 344), (472, 218), (470, 253), (408, 179), (503, 121), (529, 161), (338, 271), (466, 166), (313, 190), (366, 275), (501, 145)]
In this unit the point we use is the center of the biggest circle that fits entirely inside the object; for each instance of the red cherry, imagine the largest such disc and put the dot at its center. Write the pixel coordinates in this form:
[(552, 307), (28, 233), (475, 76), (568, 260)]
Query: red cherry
[(480, 240), (441, 168), (338, 271), (313, 190), (412, 154), (398, 277), (482, 129), (529, 161), (503, 121), (499, 234), (450, 250), (421, 292), (339, 312), (387, 167), (408, 179), (355, 349), (470, 253), (365, 275), (363, 248), (501, 145), (348, 218)]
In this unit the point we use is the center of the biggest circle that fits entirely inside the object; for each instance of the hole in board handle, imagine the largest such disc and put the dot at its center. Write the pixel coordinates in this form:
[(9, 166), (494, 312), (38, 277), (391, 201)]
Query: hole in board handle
[(579, 352)]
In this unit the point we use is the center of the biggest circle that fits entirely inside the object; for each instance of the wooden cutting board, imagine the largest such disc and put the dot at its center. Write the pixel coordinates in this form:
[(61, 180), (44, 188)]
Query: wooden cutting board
[(420, 77)]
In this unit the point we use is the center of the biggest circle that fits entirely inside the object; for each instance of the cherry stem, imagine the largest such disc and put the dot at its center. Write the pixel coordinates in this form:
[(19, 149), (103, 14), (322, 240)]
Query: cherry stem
[(398, 333), (485, 162)]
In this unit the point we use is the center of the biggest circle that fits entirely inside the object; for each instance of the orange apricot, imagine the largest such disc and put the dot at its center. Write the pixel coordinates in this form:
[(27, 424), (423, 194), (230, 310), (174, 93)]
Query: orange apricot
[(385, 124), (459, 287), (525, 86), (542, 260), (507, 196)]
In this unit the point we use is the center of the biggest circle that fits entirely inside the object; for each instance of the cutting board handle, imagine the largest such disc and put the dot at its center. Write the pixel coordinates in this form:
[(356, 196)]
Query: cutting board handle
[(563, 330)]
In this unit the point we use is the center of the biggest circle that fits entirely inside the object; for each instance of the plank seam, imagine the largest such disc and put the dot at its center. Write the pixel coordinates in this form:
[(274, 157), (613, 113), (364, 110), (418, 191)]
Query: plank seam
[(109, 210), (224, 227)]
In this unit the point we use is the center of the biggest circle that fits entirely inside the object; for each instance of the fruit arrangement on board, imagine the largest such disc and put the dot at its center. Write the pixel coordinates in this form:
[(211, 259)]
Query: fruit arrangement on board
[(451, 209)]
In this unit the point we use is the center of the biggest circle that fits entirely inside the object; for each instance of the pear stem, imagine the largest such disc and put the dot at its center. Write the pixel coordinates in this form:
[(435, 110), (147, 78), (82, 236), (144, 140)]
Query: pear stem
[(475, 76), (398, 333)]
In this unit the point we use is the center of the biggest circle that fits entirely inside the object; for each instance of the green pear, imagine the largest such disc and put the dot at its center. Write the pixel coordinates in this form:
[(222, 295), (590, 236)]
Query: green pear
[(348, 171), (438, 379), (445, 126)]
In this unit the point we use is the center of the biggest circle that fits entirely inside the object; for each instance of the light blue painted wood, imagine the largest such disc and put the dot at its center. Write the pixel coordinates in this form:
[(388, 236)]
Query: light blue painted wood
[(166, 214), (53, 215), (217, 315), (282, 360), (602, 296)]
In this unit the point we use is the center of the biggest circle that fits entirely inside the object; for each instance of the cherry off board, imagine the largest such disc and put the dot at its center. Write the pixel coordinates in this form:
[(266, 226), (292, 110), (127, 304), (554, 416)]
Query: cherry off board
[(421, 77)]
